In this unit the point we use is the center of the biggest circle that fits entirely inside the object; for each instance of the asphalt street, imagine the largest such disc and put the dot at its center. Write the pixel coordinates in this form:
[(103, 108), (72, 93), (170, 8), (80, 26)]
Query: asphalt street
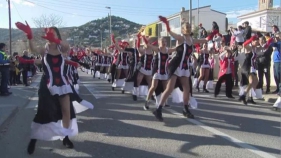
[(118, 127)]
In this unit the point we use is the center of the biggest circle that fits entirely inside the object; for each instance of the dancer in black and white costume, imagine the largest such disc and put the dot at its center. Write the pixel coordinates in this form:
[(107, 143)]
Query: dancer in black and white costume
[(204, 65), (178, 68), (144, 69), (106, 63), (160, 73), (55, 117), (99, 61), (249, 69), (122, 64), (115, 54)]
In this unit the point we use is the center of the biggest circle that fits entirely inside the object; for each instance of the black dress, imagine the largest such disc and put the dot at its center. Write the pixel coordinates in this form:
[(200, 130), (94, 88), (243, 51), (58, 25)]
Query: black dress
[(146, 62), (47, 124), (249, 67)]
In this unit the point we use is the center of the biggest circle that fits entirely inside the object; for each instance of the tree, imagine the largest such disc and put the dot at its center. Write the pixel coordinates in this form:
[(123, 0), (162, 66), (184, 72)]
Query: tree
[(48, 21), (45, 21), (195, 32)]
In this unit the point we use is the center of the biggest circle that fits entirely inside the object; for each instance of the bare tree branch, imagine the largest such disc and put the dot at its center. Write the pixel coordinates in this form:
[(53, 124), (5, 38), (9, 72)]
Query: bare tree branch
[(48, 21)]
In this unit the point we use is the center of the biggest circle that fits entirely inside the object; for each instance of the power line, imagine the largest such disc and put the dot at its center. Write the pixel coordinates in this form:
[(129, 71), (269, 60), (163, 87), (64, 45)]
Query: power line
[(122, 8), (61, 11), (137, 12), (17, 11), (69, 6)]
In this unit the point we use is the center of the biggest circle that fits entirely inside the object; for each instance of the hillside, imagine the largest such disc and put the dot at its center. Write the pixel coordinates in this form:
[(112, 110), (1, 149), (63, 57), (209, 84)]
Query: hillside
[(87, 34), (91, 32)]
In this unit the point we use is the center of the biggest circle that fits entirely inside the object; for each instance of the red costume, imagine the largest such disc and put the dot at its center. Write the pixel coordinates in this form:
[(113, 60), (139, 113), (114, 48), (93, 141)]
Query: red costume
[(224, 66)]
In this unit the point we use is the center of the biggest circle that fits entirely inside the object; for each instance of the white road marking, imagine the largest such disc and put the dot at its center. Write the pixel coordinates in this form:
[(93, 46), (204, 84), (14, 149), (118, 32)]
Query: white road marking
[(36, 82), (33, 104), (225, 136), (95, 92)]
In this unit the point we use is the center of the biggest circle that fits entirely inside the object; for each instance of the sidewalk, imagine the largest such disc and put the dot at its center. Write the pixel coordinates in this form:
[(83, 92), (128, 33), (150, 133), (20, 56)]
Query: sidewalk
[(10, 105), (270, 98)]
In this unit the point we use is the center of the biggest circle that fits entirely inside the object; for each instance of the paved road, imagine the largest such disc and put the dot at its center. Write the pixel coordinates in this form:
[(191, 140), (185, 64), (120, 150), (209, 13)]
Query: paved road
[(119, 128)]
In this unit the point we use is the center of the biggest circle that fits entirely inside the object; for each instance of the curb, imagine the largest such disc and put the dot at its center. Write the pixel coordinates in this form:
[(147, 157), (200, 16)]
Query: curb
[(4, 126), (269, 99)]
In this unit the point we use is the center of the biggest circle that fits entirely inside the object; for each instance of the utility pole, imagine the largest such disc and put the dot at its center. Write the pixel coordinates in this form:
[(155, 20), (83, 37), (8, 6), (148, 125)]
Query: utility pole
[(198, 13), (10, 27), (190, 13), (101, 39), (110, 30)]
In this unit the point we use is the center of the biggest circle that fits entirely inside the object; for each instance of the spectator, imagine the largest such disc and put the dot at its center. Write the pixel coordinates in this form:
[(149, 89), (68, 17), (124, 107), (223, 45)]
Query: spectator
[(275, 30), (217, 41), (13, 75), (263, 63), (277, 61), (235, 55), (238, 33), (26, 68), (267, 36), (247, 31), (227, 38), (18, 70), (202, 32), (4, 69), (259, 34)]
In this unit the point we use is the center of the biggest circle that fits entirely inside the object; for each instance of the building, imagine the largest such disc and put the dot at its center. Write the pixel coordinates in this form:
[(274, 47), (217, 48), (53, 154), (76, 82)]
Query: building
[(263, 19), (204, 15)]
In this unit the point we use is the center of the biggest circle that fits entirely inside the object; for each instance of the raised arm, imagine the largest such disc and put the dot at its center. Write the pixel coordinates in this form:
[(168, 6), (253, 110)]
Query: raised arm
[(246, 44), (171, 50), (27, 30), (116, 44), (166, 22), (148, 45)]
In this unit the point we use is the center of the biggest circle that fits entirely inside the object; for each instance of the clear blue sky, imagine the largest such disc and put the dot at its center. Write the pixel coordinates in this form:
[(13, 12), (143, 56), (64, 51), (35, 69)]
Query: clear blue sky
[(78, 12)]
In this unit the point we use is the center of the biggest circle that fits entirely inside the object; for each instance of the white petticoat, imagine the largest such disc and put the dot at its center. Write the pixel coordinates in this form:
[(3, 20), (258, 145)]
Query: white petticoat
[(158, 76), (277, 104), (61, 90), (210, 85), (53, 130), (146, 72), (195, 82), (97, 74), (118, 83), (123, 67), (128, 86), (204, 66), (177, 97), (82, 106), (182, 72), (102, 76), (140, 91), (254, 93), (105, 65), (108, 76)]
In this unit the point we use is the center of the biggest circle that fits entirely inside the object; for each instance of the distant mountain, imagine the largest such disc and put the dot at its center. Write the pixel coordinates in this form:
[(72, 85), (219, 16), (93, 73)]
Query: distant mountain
[(92, 32), (88, 34)]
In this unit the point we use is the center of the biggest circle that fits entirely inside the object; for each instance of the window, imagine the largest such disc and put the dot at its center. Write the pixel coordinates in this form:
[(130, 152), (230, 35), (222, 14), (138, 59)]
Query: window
[(149, 31), (274, 20), (175, 23), (159, 29), (163, 26), (193, 20), (262, 21)]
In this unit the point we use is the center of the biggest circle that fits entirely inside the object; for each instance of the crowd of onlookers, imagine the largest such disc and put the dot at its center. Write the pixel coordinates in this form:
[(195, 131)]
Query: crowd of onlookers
[(238, 36), (13, 72)]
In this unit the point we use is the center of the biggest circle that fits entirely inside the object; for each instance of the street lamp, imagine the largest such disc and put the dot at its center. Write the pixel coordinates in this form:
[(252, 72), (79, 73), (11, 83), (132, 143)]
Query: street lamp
[(109, 22)]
